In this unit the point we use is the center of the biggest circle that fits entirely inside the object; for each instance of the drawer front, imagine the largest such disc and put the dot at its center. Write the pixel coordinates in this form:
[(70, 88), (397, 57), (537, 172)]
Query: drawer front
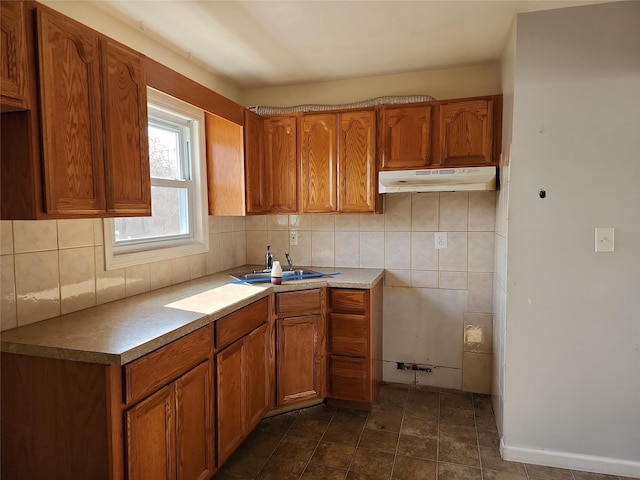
[(147, 374), (348, 334), (293, 304), (240, 323), (346, 300), (349, 379)]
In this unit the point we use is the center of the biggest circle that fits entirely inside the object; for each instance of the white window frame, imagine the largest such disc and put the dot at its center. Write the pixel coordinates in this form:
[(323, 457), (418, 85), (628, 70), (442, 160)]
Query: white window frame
[(146, 252)]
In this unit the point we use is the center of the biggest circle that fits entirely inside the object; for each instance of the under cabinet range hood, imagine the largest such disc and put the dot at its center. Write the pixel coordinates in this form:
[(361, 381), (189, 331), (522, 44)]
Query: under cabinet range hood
[(438, 180)]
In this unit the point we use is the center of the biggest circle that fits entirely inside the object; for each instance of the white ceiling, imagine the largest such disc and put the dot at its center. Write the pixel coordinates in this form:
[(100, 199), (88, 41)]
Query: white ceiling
[(273, 42)]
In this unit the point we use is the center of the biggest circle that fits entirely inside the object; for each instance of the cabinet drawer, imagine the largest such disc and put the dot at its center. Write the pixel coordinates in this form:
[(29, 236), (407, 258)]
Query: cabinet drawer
[(292, 304), (240, 323), (348, 334), (349, 378), (345, 300), (147, 374)]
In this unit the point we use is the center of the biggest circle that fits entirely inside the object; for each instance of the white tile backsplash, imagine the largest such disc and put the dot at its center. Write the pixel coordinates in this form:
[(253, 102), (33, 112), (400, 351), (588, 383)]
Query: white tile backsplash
[(137, 280), (8, 293), (37, 279), (323, 249), (6, 237), (347, 246), (397, 250), (454, 212), (77, 277), (35, 236), (75, 233), (58, 265), (424, 212)]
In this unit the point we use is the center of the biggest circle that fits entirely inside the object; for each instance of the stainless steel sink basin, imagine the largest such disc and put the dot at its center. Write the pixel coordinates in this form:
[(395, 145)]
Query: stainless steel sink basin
[(262, 276)]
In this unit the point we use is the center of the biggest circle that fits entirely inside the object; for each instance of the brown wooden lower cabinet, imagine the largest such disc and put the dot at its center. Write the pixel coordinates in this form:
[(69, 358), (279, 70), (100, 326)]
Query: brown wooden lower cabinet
[(154, 418), (71, 420), (354, 346), (300, 364), (243, 376), (170, 434), (300, 346)]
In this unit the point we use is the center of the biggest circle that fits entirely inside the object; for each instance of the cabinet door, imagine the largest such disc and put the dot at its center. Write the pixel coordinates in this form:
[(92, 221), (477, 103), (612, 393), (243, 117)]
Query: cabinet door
[(225, 166), (255, 172), (230, 413), (356, 162), (258, 378), (281, 163), (150, 437), (12, 53), (194, 424), (349, 378), (300, 365), (318, 163), (465, 131), (405, 137), (127, 144), (71, 115)]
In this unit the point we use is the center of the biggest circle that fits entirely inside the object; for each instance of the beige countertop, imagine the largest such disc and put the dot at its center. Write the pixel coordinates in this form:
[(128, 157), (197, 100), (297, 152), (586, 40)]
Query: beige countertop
[(122, 331)]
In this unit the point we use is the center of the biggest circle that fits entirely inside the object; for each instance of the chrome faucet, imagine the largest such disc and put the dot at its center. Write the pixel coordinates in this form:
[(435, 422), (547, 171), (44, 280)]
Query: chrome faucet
[(268, 259), (291, 267)]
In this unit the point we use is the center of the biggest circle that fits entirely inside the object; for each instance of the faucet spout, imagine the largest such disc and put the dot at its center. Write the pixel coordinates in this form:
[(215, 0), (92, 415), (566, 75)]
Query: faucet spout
[(291, 267), (268, 259)]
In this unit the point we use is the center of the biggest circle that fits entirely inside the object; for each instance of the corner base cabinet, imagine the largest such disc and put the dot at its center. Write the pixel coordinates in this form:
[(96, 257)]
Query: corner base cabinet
[(354, 345)]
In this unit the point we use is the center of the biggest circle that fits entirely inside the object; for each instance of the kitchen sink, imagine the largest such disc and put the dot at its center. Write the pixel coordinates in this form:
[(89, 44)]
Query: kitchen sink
[(265, 276)]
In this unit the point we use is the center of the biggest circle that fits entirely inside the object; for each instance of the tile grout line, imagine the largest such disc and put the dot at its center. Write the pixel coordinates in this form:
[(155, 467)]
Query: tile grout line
[(276, 447), (316, 447), (438, 441), (357, 444), (395, 455), (475, 425)]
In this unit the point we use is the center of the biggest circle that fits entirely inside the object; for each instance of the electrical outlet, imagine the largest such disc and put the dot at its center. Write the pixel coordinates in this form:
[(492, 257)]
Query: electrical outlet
[(293, 238), (441, 240)]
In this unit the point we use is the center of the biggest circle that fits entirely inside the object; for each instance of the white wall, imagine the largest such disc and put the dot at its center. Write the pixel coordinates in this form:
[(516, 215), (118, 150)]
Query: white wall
[(501, 236), (469, 81), (572, 385)]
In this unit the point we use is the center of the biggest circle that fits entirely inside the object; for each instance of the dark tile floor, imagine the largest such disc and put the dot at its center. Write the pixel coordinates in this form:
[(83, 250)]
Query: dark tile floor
[(411, 433)]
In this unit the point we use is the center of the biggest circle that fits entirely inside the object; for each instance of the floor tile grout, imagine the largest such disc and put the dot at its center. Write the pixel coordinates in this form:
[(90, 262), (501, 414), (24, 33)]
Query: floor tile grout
[(418, 451)]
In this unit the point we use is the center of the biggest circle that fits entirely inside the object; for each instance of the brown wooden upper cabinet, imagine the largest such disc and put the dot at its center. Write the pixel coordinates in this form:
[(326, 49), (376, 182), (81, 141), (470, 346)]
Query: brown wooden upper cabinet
[(465, 132), (337, 162), (12, 55), (91, 127), (256, 173), (236, 174), (405, 136), (448, 133), (282, 167)]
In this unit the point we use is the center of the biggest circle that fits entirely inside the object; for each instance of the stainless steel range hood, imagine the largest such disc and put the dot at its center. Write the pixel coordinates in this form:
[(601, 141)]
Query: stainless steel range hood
[(438, 180)]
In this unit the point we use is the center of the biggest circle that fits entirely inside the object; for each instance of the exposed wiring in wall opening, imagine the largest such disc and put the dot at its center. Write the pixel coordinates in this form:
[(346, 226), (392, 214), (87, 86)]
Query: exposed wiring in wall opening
[(420, 365)]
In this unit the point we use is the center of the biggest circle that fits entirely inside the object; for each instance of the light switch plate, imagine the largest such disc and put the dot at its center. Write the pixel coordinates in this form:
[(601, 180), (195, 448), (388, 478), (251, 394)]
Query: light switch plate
[(604, 239), (441, 240), (293, 238)]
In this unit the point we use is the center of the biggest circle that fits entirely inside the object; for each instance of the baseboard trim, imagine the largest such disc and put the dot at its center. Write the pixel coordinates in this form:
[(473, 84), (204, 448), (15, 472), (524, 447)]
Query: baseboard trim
[(572, 461)]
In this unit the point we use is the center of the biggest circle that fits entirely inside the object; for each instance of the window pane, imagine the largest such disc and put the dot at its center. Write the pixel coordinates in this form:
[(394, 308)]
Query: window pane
[(169, 217), (164, 152)]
